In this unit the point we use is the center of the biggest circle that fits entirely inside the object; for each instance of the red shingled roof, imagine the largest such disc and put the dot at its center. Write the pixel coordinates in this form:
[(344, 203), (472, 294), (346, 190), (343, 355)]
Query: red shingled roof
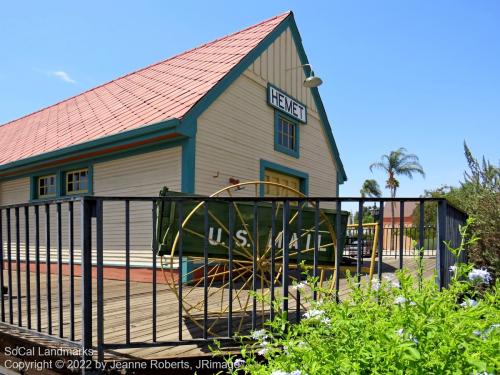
[(165, 90)]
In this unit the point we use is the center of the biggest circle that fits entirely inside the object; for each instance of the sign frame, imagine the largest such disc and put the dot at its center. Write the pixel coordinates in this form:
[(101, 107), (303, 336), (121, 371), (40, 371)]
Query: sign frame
[(291, 114)]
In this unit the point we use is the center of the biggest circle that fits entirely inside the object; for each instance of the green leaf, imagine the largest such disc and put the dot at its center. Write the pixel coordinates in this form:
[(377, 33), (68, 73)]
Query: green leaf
[(413, 353), (479, 365)]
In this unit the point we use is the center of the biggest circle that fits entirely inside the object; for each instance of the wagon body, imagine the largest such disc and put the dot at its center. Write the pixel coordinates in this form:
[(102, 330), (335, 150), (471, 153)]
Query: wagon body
[(247, 226)]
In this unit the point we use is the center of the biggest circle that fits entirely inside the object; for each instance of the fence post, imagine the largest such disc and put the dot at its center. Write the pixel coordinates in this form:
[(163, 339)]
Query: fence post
[(441, 247), (86, 207)]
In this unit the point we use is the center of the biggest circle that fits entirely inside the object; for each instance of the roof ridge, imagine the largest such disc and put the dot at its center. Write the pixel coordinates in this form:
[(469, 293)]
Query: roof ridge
[(144, 68)]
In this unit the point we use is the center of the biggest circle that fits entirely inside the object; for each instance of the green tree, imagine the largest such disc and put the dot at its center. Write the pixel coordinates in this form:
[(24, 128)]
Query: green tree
[(479, 196), (367, 216), (370, 188), (398, 163)]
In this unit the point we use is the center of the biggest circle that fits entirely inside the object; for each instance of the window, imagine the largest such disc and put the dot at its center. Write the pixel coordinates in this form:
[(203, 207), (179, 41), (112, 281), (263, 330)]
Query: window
[(286, 135), (77, 181), (47, 186)]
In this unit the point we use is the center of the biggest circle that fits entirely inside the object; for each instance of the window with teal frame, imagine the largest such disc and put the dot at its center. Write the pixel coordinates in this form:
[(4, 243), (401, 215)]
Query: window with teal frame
[(76, 179), (286, 134)]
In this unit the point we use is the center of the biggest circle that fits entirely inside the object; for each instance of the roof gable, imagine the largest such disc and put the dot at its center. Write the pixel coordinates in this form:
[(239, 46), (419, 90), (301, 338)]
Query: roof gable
[(162, 91)]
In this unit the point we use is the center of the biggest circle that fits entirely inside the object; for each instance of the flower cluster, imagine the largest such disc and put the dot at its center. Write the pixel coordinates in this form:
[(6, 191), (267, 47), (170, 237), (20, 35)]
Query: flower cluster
[(399, 300), (239, 362), (314, 314), (264, 348), (480, 275), (259, 334), (469, 303), (279, 372), (300, 285), (393, 282), (484, 334)]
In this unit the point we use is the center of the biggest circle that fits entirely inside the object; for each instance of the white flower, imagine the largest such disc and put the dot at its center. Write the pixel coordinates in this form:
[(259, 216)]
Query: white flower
[(279, 372), (453, 269), (477, 332), (413, 338), (376, 285), (394, 283), (262, 351), (480, 275), (412, 303), (491, 328), (264, 343), (301, 344), (399, 300), (300, 285), (259, 334), (400, 332), (326, 321), (314, 313), (469, 303), (239, 362)]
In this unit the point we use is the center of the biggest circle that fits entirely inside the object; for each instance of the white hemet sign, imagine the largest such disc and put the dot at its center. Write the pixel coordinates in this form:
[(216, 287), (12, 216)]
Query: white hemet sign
[(279, 100)]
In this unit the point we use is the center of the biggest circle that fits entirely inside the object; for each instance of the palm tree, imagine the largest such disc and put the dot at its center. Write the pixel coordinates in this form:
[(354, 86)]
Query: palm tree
[(398, 163), (370, 188)]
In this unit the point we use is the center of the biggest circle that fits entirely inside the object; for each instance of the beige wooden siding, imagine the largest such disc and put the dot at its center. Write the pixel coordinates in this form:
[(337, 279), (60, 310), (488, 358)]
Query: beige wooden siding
[(237, 130), (14, 191), (141, 175)]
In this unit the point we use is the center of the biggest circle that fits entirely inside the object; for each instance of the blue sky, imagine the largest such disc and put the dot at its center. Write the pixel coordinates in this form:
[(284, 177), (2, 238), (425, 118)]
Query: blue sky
[(424, 75)]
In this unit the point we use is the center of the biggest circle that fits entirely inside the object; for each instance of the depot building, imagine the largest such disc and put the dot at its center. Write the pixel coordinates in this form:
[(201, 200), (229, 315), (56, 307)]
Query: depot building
[(244, 107)]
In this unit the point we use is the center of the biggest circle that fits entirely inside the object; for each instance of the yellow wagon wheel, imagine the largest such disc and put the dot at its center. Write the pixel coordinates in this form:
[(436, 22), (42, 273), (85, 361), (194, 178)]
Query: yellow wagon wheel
[(218, 267)]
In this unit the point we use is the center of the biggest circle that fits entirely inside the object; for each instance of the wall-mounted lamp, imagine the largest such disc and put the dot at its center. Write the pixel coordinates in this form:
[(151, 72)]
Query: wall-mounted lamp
[(311, 81)]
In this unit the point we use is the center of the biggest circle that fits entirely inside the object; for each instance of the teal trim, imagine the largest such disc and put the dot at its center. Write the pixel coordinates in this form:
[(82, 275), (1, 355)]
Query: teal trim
[(337, 188), (108, 157), (269, 85), (188, 169), (188, 165), (317, 100), (277, 146), (60, 173), (140, 134), (303, 176)]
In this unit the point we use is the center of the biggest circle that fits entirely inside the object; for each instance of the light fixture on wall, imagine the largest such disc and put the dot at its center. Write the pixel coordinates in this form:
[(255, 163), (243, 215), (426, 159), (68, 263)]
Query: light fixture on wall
[(311, 81)]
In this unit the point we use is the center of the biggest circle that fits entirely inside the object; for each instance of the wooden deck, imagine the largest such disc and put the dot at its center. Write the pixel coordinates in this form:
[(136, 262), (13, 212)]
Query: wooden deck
[(141, 313)]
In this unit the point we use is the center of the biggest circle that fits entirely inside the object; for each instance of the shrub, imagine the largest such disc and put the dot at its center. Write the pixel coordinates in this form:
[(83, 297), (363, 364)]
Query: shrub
[(403, 325), (479, 196)]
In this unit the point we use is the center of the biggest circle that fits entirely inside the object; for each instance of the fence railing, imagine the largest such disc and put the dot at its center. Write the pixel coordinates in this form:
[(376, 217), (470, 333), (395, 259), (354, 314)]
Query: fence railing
[(391, 245), (55, 256)]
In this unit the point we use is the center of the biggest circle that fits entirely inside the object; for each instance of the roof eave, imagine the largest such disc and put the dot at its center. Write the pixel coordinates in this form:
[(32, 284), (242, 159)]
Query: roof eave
[(144, 133)]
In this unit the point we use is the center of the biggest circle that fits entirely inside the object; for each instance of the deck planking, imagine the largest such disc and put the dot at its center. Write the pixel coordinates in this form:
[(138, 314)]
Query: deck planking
[(141, 312)]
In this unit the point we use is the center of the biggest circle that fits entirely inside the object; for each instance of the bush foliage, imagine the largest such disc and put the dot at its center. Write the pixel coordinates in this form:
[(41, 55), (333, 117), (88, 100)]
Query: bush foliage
[(479, 197), (404, 325)]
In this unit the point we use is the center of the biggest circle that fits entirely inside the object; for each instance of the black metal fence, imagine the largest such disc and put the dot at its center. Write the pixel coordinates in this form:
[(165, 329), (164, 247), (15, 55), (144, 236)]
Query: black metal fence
[(391, 245), (53, 252)]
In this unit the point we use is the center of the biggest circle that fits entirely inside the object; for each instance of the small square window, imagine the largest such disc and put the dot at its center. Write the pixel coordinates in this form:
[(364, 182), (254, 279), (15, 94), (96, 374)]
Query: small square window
[(77, 182), (47, 186), (287, 134)]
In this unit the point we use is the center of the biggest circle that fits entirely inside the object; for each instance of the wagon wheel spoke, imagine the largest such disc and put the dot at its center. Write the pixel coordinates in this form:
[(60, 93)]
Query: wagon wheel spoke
[(218, 273)]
